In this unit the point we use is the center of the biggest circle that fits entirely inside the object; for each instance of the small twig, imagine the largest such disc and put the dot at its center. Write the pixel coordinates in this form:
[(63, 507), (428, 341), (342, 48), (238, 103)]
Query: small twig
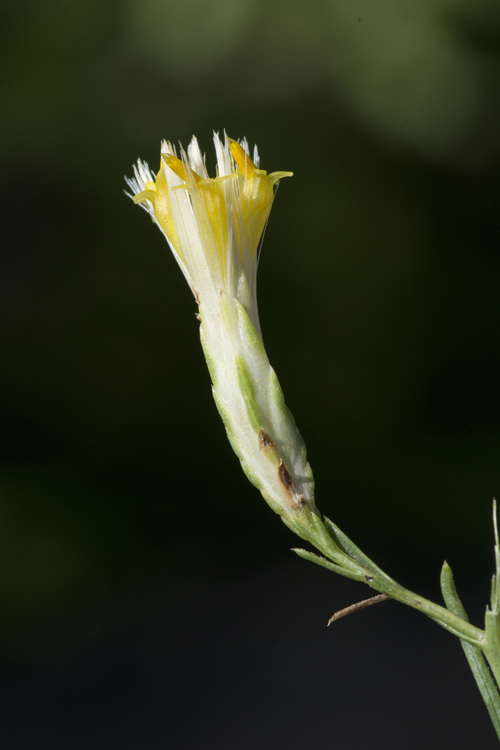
[(359, 605)]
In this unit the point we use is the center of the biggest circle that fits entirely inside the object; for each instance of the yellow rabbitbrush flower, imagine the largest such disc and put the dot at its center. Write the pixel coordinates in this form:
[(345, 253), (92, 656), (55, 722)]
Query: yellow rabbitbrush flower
[(214, 227)]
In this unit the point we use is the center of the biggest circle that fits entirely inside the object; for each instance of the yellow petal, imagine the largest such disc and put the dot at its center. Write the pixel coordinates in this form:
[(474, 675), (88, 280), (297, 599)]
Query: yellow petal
[(178, 166), (163, 210), (243, 161), (147, 194)]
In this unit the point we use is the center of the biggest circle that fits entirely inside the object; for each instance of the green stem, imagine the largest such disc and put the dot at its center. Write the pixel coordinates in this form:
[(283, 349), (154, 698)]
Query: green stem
[(350, 561), (492, 647), (344, 557), (492, 619), (477, 663), (448, 620), (385, 585)]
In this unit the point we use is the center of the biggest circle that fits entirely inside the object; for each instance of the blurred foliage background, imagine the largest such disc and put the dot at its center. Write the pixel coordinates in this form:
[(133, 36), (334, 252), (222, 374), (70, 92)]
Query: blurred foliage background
[(378, 290)]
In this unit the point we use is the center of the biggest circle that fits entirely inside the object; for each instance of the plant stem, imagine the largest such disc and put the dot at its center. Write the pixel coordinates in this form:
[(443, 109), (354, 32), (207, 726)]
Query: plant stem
[(492, 646), (344, 557), (477, 663), (448, 620), (348, 560)]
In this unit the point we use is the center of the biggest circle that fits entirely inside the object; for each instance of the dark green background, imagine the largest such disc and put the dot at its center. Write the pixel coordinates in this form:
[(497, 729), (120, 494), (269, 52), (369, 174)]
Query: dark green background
[(378, 293)]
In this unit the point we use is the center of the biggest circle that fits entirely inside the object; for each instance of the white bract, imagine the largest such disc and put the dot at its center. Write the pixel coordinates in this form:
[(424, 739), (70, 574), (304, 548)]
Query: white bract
[(214, 227)]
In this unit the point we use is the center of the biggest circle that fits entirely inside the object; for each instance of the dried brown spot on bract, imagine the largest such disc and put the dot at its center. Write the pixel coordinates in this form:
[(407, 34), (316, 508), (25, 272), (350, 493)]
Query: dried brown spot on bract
[(264, 440), (197, 295), (285, 477), (295, 500), (198, 316)]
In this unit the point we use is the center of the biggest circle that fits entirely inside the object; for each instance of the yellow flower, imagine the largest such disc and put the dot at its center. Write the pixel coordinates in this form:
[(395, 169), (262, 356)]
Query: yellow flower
[(213, 225)]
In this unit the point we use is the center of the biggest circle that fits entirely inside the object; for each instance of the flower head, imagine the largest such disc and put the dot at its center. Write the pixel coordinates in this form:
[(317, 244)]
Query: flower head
[(214, 227)]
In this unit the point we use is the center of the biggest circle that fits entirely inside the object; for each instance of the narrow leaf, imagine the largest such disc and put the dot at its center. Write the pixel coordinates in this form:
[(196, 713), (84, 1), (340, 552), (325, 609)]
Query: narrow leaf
[(474, 655)]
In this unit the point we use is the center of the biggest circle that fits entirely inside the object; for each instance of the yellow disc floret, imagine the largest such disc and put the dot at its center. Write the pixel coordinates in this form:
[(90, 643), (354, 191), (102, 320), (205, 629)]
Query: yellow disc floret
[(241, 157), (179, 167), (158, 193), (256, 194)]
